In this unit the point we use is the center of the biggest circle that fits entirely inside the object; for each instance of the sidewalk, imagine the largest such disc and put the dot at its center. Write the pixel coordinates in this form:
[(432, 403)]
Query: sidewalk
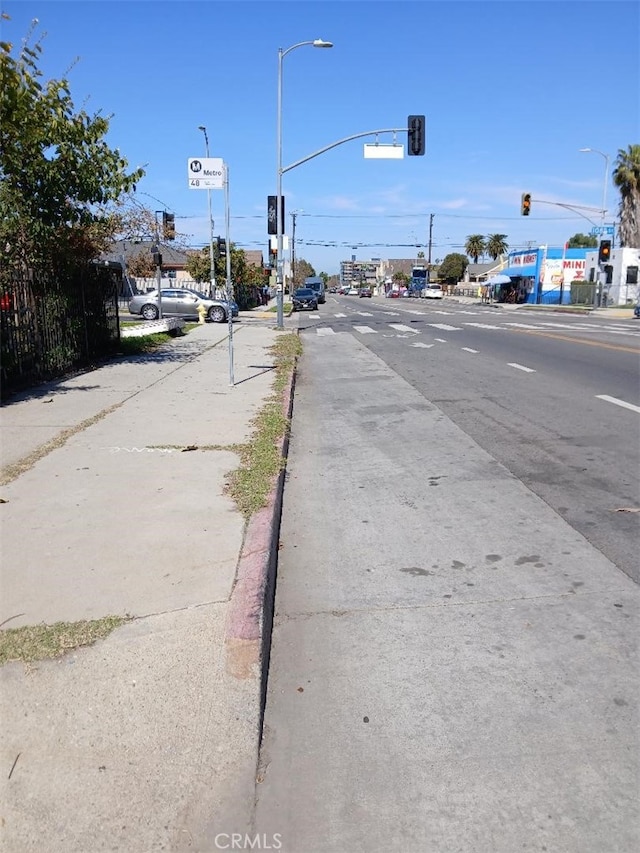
[(149, 738)]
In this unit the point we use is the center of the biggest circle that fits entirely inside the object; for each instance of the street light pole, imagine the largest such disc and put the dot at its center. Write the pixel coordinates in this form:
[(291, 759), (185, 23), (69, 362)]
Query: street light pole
[(606, 178), (279, 223), (212, 269), (597, 297)]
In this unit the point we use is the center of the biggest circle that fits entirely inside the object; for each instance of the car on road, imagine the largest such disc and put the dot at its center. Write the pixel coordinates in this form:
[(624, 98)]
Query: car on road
[(183, 303), (434, 291), (365, 291), (392, 294), (305, 299), (353, 291)]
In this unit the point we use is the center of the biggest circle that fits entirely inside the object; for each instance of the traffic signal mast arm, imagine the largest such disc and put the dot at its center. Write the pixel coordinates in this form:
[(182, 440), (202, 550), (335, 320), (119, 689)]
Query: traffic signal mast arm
[(341, 142), (576, 207)]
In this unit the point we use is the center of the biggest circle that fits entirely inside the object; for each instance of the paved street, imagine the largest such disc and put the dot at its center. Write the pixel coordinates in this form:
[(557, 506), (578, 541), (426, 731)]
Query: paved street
[(454, 665)]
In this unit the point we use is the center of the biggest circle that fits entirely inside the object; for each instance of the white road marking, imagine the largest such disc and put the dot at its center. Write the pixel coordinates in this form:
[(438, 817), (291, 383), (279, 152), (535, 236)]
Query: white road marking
[(423, 346), (521, 367), (446, 313), (440, 340), (392, 313), (327, 330), (365, 330), (468, 349), (617, 402), (339, 315), (364, 314), (482, 326), (526, 326), (314, 317), (420, 313), (444, 327), (399, 327)]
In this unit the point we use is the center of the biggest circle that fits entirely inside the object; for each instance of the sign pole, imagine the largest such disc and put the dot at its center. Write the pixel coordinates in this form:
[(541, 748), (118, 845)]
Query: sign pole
[(228, 266)]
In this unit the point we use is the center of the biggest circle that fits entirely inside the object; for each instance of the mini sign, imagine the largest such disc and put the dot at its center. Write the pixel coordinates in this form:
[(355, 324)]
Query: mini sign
[(383, 152), (205, 173)]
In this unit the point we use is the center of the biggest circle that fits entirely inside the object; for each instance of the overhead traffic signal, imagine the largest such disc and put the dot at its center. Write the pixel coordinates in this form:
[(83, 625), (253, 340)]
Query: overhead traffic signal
[(416, 141), (604, 252), (169, 226), (221, 245), (525, 204)]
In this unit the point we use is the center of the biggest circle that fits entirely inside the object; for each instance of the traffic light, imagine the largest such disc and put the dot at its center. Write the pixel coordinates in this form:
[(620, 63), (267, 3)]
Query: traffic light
[(169, 226), (416, 142), (525, 205), (604, 252), (222, 247)]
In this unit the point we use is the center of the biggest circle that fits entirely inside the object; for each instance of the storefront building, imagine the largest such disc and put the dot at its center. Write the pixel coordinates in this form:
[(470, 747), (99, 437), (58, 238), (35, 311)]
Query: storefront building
[(542, 276)]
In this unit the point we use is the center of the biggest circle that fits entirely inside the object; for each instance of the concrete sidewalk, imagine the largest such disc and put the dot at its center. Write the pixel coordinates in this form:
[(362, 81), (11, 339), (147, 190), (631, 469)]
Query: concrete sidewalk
[(148, 739)]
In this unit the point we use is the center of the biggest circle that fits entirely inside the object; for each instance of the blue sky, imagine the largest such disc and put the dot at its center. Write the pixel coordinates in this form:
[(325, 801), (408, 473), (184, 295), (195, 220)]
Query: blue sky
[(511, 91)]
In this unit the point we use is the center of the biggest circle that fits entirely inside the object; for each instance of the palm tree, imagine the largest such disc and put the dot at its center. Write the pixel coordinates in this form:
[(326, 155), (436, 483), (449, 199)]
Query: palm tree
[(496, 245), (475, 246), (626, 176)]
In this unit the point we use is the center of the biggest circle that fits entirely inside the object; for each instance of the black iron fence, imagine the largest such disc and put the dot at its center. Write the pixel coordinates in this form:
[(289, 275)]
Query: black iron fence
[(50, 324)]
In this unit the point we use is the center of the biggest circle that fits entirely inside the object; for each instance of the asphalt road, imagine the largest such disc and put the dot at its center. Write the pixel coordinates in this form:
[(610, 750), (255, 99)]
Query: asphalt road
[(555, 398), (453, 665)]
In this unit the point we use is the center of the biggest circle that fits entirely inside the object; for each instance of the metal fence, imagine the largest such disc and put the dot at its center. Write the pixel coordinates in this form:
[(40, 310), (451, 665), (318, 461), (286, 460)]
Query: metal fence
[(50, 325)]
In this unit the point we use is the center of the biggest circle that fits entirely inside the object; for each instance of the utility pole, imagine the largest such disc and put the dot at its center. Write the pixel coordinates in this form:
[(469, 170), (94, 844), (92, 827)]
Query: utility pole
[(293, 252), (430, 244)]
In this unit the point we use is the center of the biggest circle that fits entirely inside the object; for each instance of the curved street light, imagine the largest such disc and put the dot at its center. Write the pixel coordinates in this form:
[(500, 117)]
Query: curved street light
[(606, 177), (279, 223)]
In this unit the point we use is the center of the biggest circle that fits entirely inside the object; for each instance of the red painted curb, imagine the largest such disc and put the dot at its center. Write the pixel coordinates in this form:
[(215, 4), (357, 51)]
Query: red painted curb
[(249, 617)]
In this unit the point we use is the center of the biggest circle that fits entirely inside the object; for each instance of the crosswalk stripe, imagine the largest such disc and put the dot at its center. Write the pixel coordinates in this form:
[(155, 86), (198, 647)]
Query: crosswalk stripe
[(422, 345), (482, 326), (339, 315), (444, 327), (399, 327), (391, 313), (364, 314), (525, 326), (365, 330), (325, 330)]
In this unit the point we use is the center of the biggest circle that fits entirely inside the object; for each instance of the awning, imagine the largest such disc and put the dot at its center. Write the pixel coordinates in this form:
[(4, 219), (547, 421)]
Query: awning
[(519, 272)]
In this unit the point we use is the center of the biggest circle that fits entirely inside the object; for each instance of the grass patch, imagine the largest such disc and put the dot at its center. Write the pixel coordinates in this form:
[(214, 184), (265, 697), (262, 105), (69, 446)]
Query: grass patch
[(260, 458), (44, 642), (141, 345)]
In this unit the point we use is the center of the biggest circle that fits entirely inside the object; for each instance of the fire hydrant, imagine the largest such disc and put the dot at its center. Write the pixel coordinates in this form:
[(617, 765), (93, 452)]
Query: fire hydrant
[(201, 313)]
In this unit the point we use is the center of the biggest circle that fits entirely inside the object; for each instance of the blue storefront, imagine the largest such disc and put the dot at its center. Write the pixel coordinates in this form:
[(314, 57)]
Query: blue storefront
[(543, 276)]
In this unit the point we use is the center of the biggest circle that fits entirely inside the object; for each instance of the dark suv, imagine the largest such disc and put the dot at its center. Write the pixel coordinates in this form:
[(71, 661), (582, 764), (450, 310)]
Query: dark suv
[(365, 291), (305, 299)]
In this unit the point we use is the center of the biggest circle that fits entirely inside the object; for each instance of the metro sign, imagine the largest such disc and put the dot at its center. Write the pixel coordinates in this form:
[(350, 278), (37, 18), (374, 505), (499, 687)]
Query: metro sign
[(205, 173)]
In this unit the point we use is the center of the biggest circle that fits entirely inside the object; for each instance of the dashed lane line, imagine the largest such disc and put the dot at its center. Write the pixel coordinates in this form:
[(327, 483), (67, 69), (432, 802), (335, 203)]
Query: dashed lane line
[(617, 402), (468, 349), (521, 367)]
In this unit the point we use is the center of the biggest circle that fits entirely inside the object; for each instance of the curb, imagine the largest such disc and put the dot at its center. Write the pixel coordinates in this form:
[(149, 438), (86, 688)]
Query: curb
[(250, 615)]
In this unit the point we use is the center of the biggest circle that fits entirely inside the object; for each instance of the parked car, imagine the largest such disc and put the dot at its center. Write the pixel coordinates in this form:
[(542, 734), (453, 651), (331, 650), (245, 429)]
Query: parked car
[(353, 291), (365, 291), (183, 303), (434, 291), (392, 294), (316, 284), (305, 299)]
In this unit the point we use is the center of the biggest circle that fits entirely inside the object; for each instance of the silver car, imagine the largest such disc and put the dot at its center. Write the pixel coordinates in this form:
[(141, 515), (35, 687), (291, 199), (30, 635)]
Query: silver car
[(181, 302)]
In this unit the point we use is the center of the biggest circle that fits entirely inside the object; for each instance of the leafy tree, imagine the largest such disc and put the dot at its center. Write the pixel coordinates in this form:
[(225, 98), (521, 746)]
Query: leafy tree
[(582, 241), (400, 277), (199, 265), (475, 246), (452, 268), (59, 179), (626, 177), (303, 270), (141, 265), (496, 245)]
